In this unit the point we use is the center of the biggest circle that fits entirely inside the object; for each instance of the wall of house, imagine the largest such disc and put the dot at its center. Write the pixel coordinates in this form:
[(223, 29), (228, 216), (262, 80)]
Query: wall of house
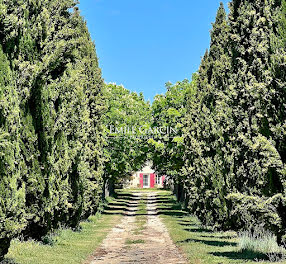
[(137, 178)]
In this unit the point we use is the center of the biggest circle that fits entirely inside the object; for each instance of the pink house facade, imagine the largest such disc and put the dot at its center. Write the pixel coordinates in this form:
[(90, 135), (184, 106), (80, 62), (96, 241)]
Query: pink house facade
[(146, 178)]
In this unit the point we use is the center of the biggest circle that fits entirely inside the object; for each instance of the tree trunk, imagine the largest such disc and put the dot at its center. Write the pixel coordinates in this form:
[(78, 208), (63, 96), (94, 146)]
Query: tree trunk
[(282, 213), (4, 246), (108, 188)]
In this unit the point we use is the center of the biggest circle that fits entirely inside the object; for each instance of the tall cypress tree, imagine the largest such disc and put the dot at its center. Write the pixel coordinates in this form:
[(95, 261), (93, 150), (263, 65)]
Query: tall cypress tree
[(204, 157), (234, 134), (60, 98), (256, 164), (12, 188), (277, 108), (87, 179)]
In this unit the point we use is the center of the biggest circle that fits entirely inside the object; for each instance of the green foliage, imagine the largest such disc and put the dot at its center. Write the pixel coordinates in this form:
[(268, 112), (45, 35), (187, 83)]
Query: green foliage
[(57, 150), (12, 188), (168, 111), (124, 152), (263, 242), (233, 155), (203, 132), (51, 114)]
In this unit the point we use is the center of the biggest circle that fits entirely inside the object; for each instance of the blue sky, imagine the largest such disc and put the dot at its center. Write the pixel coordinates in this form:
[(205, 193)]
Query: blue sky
[(143, 44)]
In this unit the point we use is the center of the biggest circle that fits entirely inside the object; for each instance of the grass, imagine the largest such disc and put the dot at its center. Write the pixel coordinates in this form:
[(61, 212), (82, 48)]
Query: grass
[(135, 241), (130, 190), (142, 208), (69, 247), (258, 241), (200, 244), (141, 215)]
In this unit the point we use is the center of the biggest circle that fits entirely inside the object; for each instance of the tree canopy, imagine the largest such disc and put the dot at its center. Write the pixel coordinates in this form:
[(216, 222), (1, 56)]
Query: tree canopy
[(65, 134)]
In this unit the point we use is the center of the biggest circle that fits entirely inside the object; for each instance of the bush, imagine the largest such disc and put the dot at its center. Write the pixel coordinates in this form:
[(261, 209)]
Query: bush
[(50, 239), (261, 242)]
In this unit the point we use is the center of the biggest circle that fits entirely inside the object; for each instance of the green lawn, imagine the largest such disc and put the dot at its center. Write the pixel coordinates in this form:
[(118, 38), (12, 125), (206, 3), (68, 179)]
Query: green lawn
[(143, 190), (200, 245), (70, 247), (141, 215)]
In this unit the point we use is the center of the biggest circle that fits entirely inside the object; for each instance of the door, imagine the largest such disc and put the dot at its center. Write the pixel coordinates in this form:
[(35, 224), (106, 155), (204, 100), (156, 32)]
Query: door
[(145, 181)]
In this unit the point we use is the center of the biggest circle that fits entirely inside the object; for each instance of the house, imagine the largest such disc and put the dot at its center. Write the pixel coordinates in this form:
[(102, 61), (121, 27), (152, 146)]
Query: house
[(146, 178)]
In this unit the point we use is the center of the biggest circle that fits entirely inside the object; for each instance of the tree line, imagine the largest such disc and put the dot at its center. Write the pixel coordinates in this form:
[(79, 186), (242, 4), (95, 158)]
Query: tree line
[(55, 153), (228, 160), (50, 119), (58, 154)]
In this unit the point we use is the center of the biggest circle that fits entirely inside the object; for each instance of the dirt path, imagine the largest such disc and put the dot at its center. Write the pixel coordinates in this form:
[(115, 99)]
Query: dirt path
[(152, 244)]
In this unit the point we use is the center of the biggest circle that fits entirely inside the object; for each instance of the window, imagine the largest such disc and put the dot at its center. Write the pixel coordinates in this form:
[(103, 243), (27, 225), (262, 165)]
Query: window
[(145, 180), (158, 180)]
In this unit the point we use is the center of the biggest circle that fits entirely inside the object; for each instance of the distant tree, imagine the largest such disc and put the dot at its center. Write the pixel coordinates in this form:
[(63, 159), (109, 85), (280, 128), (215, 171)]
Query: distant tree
[(168, 112), (124, 152)]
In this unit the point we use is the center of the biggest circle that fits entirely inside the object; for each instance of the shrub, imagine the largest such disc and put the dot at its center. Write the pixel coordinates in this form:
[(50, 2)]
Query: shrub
[(261, 242)]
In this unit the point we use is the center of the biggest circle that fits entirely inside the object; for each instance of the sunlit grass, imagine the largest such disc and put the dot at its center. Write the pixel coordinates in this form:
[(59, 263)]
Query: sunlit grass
[(141, 215), (155, 189), (200, 244), (69, 247), (135, 241)]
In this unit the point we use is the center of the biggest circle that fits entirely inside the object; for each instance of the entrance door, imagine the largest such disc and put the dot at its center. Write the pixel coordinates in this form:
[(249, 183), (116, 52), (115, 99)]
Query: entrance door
[(145, 181)]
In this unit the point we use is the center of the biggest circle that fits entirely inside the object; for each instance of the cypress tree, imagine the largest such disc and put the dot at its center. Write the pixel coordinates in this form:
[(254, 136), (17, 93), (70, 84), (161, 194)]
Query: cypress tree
[(234, 132), (256, 168), (60, 101), (204, 159), (87, 181), (12, 188), (277, 108)]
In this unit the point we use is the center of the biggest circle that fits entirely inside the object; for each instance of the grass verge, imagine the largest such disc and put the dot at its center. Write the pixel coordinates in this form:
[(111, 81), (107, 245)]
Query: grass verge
[(141, 215), (69, 247), (201, 245)]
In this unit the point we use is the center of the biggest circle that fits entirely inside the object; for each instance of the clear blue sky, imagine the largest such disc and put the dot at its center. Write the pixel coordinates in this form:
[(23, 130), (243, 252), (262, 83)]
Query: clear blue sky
[(143, 44)]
